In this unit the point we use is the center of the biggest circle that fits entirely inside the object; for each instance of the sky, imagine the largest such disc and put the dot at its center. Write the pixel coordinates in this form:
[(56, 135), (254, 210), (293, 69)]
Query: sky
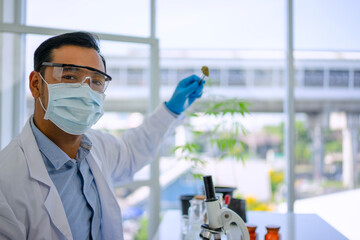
[(227, 24)]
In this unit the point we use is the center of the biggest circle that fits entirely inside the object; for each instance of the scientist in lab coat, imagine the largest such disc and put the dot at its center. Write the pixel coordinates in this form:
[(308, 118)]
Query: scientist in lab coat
[(57, 176)]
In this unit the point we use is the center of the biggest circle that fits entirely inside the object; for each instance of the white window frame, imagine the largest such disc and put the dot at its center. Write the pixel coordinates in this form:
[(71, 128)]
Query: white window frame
[(13, 102), (289, 108)]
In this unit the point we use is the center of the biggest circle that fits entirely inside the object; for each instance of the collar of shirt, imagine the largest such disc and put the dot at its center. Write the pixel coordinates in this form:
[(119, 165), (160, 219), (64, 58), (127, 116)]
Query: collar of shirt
[(54, 154)]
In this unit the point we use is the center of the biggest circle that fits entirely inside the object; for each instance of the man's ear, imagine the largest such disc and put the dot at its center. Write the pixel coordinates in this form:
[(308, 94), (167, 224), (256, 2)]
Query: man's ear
[(34, 84)]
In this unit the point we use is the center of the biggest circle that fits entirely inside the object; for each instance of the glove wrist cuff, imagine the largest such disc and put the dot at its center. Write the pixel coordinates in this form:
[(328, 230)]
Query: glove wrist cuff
[(171, 108)]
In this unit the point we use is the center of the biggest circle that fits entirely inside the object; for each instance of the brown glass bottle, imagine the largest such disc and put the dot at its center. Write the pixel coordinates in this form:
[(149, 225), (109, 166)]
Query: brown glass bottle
[(272, 232), (252, 231)]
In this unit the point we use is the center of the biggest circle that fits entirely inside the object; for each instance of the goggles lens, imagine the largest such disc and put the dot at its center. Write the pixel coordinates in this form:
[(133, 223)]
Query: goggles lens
[(68, 73)]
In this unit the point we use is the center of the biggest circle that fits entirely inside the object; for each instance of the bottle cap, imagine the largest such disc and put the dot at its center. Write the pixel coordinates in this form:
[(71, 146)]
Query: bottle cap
[(199, 197), (272, 227), (251, 227)]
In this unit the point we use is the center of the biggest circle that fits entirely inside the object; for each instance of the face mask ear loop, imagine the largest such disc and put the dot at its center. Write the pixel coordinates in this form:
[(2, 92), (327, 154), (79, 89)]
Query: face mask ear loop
[(42, 105), (39, 97)]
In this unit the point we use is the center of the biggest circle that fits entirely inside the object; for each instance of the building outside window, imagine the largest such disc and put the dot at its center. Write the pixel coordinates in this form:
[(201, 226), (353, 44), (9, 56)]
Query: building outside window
[(314, 78), (357, 78), (164, 77), (214, 78), (183, 73), (236, 77), (135, 77), (262, 77), (279, 77), (339, 78), (115, 73)]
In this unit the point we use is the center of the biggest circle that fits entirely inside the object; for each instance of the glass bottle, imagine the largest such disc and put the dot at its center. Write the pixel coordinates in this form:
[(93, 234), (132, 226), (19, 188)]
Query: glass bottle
[(252, 231), (196, 217), (272, 232)]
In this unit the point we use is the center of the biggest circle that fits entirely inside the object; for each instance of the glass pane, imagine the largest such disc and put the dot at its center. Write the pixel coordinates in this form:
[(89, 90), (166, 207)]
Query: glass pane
[(134, 209), (327, 126), (263, 78), (232, 25), (108, 16), (312, 31), (183, 73), (32, 42), (236, 77), (313, 78), (235, 72), (258, 24), (215, 79), (244, 44), (164, 78), (135, 76), (241, 41), (339, 78), (356, 78)]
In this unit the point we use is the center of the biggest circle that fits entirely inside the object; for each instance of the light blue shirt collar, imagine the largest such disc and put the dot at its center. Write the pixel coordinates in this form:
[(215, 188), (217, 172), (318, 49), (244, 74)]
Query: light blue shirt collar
[(53, 153)]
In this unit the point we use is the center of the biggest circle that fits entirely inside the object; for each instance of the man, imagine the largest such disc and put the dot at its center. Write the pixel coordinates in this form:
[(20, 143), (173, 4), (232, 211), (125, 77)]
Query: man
[(57, 176)]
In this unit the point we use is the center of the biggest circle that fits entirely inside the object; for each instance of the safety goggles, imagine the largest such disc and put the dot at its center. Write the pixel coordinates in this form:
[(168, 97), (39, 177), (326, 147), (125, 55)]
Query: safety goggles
[(71, 73)]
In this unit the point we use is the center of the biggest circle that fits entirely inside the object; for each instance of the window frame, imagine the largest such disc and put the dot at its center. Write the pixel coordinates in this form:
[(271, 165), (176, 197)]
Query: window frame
[(12, 114)]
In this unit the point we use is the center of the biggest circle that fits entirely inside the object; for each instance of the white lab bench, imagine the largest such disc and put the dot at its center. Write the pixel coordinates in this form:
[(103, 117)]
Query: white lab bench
[(292, 226)]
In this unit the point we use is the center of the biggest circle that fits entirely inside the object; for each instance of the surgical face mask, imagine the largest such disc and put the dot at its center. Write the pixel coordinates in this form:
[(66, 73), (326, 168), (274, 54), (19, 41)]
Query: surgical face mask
[(73, 107)]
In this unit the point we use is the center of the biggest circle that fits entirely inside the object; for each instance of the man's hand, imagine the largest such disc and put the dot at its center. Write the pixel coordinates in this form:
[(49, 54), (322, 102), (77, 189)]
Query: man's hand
[(185, 94)]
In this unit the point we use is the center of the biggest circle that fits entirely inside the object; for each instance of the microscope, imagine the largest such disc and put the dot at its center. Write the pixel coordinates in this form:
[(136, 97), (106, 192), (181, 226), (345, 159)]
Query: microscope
[(220, 220)]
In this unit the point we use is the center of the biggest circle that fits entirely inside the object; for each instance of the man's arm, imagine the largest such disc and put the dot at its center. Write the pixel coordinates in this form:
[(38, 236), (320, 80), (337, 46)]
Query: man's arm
[(138, 146)]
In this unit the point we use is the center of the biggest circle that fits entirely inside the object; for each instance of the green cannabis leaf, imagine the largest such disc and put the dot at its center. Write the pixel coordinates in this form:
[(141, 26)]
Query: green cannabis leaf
[(226, 137)]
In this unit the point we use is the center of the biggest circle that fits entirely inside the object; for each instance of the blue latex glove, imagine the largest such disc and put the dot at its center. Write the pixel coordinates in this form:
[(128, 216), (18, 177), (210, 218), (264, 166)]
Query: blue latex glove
[(186, 92)]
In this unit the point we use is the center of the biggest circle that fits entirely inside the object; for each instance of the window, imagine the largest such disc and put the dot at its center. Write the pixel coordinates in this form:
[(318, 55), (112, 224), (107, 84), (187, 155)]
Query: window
[(278, 80), (183, 73), (135, 76), (263, 78), (116, 77), (236, 77), (208, 31), (164, 77), (214, 78), (339, 78), (314, 78), (130, 19), (127, 30), (357, 78)]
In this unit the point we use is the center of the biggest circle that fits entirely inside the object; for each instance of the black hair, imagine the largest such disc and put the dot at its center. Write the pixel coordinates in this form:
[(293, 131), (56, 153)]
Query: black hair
[(82, 39)]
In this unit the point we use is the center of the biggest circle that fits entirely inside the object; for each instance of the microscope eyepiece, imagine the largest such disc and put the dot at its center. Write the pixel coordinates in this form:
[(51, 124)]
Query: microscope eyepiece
[(209, 188)]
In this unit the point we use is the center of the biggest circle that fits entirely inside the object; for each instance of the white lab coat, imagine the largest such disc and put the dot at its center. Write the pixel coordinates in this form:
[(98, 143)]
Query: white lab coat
[(30, 206)]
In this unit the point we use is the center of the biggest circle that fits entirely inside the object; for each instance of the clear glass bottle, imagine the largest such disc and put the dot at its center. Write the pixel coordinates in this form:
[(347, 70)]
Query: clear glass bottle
[(196, 217)]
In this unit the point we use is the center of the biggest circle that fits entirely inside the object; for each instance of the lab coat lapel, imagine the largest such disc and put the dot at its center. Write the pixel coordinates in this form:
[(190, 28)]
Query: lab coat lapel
[(111, 214), (38, 172)]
